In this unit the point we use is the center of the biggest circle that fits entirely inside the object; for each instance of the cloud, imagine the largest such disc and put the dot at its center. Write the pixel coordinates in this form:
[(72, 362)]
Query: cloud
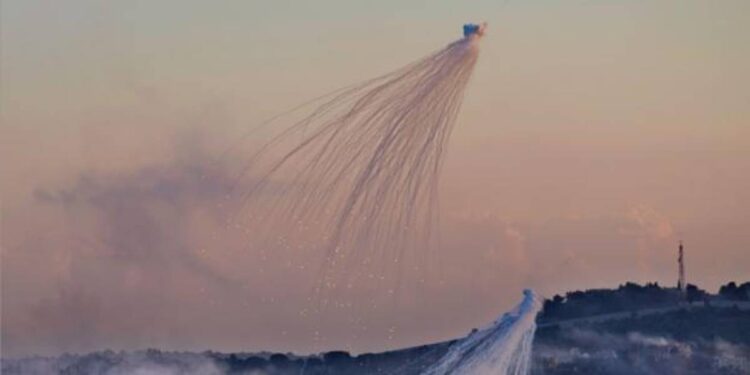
[(597, 250), (142, 217), (652, 223), (117, 253), (151, 254)]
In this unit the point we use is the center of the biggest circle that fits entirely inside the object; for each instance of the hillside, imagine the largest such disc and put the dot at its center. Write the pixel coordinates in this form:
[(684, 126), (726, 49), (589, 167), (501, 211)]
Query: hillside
[(633, 329)]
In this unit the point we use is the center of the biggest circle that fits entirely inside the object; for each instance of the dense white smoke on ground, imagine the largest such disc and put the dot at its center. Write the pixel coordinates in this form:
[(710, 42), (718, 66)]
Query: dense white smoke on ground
[(502, 348), (358, 176)]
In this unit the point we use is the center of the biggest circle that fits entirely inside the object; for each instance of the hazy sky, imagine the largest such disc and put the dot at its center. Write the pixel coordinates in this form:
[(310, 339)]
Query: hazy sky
[(595, 134)]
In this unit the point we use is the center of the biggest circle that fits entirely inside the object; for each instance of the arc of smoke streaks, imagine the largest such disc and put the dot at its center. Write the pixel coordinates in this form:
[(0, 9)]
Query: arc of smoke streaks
[(363, 167)]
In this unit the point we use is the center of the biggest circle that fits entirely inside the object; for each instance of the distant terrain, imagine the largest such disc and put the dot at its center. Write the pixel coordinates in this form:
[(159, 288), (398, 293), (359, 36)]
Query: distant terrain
[(645, 330), (634, 329)]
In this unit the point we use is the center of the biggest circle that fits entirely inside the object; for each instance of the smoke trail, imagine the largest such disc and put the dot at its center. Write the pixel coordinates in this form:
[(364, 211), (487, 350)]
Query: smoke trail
[(502, 348), (359, 175)]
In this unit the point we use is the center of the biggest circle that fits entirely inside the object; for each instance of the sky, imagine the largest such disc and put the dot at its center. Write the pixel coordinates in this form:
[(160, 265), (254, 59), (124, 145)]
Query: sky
[(594, 136)]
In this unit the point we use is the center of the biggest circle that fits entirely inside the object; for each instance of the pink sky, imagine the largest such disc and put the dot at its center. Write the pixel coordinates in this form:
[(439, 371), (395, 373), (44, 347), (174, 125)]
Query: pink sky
[(594, 136)]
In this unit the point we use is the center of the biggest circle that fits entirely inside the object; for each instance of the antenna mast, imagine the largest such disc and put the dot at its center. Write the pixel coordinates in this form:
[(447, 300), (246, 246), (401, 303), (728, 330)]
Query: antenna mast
[(681, 284)]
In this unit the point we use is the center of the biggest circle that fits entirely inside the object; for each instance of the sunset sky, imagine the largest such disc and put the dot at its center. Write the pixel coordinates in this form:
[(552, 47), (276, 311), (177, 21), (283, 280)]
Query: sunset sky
[(595, 134)]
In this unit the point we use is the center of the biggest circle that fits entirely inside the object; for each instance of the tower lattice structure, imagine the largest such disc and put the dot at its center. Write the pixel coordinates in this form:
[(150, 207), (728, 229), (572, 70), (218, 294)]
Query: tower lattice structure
[(681, 283)]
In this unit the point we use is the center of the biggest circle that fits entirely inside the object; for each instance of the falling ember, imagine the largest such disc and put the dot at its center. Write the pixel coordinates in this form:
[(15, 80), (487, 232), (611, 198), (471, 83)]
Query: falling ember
[(361, 170)]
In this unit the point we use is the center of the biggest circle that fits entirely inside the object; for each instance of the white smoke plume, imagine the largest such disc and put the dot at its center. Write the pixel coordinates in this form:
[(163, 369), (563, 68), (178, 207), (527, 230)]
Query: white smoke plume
[(502, 348)]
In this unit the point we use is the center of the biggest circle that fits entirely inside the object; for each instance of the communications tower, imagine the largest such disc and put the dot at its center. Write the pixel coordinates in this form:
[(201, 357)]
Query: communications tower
[(681, 284)]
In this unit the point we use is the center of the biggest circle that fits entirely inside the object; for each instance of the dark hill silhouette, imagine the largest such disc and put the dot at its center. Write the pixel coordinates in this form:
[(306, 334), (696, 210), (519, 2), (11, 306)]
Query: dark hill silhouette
[(634, 329)]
